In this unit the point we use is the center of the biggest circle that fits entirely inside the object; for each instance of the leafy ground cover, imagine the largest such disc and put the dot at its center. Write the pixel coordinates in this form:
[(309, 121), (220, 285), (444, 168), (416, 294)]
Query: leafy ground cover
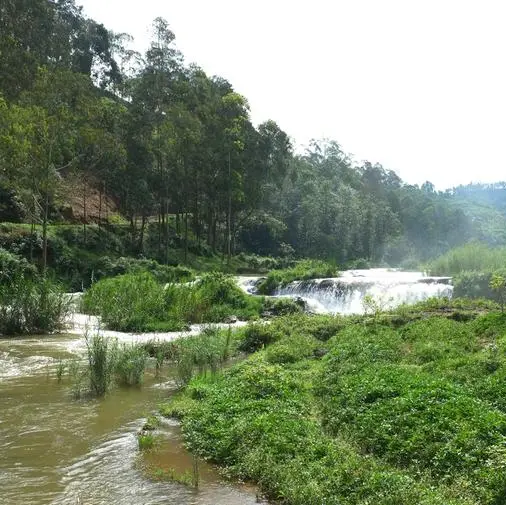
[(399, 408)]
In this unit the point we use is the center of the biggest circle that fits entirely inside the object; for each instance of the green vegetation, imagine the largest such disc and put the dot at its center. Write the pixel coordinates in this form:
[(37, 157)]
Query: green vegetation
[(92, 133), (197, 354), (29, 303), (474, 257), (162, 474), (405, 407), (152, 422), (474, 268), (107, 364), (137, 302), (302, 270), (146, 441)]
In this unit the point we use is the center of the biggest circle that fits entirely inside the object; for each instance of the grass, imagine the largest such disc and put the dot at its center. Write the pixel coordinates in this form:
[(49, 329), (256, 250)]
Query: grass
[(31, 305), (102, 354), (474, 257), (107, 365), (204, 353), (146, 441), (406, 407), (137, 302), (472, 266), (303, 270)]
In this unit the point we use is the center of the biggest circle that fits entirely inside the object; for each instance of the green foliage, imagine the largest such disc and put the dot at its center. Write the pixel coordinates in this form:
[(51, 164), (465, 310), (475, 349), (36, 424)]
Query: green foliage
[(474, 257), (102, 355), (498, 285), (410, 412), (146, 441), (202, 353), (13, 266), (137, 302), (31, 305), (152, 422), (257, 336), (130, 365), (283, 306), (107, 364), (127, 302), (303, 270), (170, 475)]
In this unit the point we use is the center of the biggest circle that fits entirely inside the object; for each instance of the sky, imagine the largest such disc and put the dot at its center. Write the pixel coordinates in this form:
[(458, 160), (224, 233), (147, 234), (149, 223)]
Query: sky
[(416, 85)]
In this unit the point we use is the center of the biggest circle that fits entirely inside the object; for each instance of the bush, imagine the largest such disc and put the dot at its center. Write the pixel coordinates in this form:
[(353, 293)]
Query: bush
[(32, 306), (127, 302), (130, 365), (256, 336), (283, 306), (13, 266), (137, 302)]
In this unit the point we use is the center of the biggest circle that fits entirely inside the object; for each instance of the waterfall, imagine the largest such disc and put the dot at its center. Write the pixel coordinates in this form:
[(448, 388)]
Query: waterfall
[(345, 294)]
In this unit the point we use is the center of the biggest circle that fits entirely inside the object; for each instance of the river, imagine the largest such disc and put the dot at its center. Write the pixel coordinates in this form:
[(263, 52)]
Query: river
[(56, 450)]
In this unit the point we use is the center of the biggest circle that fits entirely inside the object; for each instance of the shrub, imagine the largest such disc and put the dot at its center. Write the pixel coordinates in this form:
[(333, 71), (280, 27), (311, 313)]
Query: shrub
[(283, 306), (257, 336), (32, 305), (127, 302), (136, 302), (13, 267)]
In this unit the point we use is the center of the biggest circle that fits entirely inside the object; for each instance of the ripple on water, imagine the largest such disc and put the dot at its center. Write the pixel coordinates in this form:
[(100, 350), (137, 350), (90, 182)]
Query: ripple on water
[(109, 474), (12, 365)]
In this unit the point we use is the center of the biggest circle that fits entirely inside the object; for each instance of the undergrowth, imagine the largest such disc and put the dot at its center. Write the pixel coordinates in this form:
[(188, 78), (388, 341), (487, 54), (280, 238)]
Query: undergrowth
[(407, 407)]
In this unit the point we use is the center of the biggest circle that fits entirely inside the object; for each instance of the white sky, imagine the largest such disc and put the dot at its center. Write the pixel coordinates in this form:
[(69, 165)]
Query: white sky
[(417, 85)]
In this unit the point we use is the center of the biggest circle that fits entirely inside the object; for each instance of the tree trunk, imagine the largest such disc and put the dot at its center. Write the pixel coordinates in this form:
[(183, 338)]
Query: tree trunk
[(229, 214), (100, 207), (44, 234), (140, 245), (84, 211)]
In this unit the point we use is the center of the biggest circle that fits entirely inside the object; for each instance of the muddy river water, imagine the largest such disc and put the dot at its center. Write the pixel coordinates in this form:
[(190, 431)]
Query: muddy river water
[(56, 450)]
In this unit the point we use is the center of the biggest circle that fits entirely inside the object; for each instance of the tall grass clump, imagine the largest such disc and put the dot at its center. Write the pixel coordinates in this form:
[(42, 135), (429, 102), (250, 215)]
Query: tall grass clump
[(206, 352), (137, 302), (130, 365), (107, 364), (32, 305), (474, 257), (127, 302), (303, 270), (102, 357)]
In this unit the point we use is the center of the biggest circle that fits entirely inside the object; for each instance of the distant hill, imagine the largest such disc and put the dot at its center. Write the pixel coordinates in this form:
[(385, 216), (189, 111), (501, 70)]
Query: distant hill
[(485, 205)]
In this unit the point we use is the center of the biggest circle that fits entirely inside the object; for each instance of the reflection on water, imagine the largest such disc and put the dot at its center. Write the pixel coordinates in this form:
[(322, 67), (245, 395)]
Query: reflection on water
[(59, 451)]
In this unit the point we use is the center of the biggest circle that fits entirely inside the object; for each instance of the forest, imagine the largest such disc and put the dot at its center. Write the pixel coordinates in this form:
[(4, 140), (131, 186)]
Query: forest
[(193, 309), (93, 132)]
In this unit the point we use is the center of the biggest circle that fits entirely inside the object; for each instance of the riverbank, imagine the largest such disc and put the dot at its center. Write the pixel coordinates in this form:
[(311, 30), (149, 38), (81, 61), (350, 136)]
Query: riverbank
[(406, 407)]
